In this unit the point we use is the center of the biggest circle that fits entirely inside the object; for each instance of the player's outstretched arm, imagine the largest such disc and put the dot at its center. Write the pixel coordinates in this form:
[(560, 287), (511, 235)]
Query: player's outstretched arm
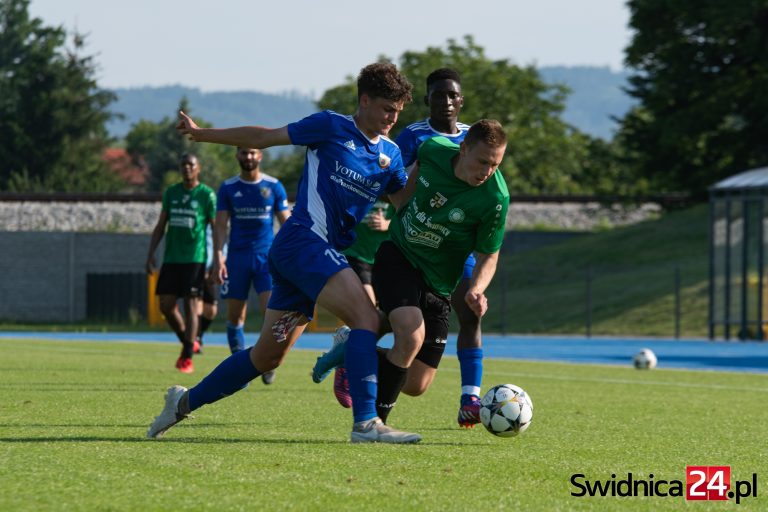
[(402, 196), (258, 137), (481, 278)]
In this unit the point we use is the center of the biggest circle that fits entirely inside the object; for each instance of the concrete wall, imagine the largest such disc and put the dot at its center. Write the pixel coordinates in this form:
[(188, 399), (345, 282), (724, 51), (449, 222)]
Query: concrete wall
[(44, 274)]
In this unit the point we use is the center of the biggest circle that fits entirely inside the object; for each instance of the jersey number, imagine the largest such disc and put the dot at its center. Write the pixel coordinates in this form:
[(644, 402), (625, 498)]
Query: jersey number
[(336, 256)]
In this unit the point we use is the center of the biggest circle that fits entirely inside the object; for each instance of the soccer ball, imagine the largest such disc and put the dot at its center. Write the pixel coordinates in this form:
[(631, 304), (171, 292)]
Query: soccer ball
[(506, 410), (645, 359)]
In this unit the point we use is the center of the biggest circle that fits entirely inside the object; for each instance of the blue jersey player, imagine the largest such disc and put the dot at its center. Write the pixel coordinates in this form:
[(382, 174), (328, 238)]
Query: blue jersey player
[(349, 163), (445, 99), (248, 203)]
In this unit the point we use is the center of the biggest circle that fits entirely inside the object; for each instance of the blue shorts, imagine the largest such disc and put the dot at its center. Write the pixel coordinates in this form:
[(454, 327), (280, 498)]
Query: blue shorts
[(469, 266), (245, 268), (300, 263)]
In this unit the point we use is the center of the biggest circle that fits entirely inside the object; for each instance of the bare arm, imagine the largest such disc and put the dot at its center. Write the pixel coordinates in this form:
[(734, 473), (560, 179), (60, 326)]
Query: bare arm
[(243, 136), (282, 216), (219, 270), (157, 236), (402, 196), (481, 278)]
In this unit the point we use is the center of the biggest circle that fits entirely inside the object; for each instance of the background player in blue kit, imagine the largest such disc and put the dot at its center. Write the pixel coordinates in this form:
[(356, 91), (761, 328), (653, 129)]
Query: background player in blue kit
[(249, 202), (349, 163), (445, 100)]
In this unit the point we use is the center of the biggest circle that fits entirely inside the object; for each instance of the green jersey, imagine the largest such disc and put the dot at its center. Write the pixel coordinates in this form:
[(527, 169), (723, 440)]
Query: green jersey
[(447, 218), (189, 212), (368, 240)]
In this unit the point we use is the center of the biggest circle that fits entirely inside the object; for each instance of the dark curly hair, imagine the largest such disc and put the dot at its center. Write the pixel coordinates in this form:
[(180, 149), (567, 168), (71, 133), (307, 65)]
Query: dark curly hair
[(443, 74), (383, 80)]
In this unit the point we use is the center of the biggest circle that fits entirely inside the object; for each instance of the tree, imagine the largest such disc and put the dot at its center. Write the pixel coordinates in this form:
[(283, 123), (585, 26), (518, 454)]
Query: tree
[(159, 147), (52, 113), (544, 154), (701, 76), (287, 167)]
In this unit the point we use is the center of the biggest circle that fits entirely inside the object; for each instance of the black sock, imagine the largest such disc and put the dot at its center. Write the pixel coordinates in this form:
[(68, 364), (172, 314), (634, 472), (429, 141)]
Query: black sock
[(202, 325), (391, 381)]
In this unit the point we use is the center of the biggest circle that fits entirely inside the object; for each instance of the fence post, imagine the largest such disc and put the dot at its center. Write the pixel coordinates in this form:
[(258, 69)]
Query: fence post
[(589, 302), (504, 300), (677, 302)]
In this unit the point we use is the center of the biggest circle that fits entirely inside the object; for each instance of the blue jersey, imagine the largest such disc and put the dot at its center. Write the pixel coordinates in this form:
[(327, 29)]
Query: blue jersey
[(414, 134), (251, 207), (344, 173)]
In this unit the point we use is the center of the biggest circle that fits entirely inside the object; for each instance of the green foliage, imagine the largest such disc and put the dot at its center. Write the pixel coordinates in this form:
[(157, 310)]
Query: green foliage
[(287, 167), (701, 76), (75, 414), (544, 154), (160, 147), (52, 113)]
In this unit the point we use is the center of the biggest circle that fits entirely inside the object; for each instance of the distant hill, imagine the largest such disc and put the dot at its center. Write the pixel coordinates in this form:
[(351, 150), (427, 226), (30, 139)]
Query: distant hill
[(596, 96), (219, 108)]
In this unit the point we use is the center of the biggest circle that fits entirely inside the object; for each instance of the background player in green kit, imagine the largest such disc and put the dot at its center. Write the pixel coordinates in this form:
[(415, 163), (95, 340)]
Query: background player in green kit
[(459, 206), (188, 208)]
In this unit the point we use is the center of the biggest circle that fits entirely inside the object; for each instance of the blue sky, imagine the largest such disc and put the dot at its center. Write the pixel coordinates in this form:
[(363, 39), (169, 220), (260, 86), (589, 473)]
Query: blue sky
[(309, 46)]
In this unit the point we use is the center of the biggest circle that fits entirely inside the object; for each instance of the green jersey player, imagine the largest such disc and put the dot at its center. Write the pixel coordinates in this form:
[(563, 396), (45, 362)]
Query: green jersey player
[(188, 208), (459, 205)]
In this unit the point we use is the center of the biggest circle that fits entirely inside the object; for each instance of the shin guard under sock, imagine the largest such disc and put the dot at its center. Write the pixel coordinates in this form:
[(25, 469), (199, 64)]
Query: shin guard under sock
[(391, 382), (230, 376)]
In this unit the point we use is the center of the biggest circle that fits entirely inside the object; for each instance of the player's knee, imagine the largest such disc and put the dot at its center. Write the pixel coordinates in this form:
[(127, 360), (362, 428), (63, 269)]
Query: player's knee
[(367, 318), (416, 388), (167, 307)]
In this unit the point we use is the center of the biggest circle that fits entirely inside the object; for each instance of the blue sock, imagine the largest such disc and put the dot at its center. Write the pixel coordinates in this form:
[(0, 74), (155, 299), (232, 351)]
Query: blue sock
[(471, 363), (235, 337), (232, 375), (362, 369)]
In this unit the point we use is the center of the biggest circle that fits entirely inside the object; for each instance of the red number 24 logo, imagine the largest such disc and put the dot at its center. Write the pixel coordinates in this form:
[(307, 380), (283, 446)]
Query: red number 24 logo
[(709, 483)]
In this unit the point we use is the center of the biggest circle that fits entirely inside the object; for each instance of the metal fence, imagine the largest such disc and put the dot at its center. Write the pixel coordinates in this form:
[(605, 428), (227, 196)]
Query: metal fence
[(591, 300)]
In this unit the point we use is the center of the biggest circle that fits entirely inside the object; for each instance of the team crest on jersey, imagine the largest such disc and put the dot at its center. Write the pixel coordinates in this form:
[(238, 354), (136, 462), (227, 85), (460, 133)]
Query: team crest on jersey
[(193, 204), (384, 161), (265, 192), (438, 201), (456, 215)]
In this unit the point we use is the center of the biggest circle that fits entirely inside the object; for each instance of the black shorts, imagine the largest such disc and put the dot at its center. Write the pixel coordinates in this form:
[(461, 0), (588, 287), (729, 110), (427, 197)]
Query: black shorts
[(181, 279), (362, 269), (397, 283)]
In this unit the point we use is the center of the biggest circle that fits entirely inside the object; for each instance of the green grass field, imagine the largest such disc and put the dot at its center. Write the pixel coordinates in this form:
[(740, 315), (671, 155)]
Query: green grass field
[(73, 416)]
